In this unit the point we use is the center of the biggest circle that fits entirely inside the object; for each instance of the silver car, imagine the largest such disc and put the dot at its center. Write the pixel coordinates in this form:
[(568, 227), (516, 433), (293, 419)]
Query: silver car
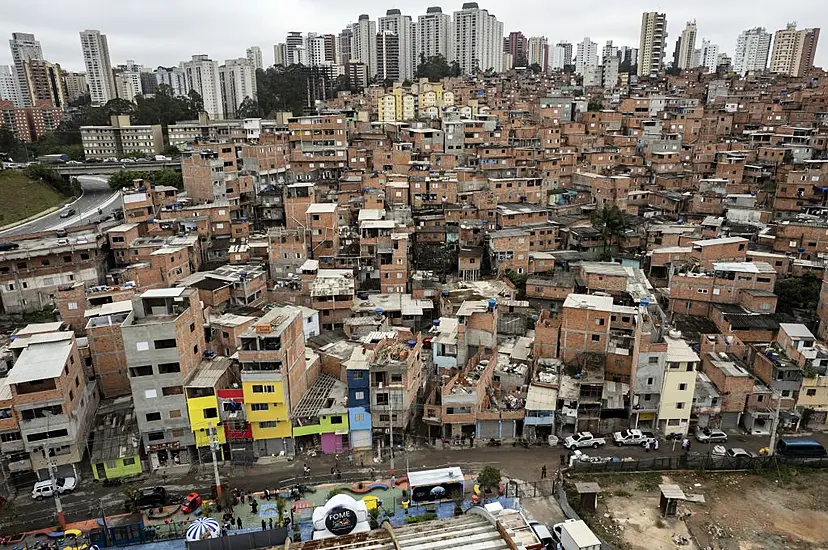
[(707, 435)]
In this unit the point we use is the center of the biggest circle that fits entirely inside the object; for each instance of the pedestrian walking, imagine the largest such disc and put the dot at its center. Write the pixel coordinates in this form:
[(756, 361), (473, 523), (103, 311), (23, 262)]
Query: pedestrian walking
[(351, 460), (655, 444), (543, 472), (393, 481), (685, 444), (254, 506), (264, 525), (563, 459), (647, 446), (266, 494), (270, 522), (333, 473), (338, 473)]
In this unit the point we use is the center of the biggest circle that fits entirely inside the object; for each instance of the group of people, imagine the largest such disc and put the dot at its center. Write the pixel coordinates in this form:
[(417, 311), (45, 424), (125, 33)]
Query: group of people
[(230, 522), (653, 445)]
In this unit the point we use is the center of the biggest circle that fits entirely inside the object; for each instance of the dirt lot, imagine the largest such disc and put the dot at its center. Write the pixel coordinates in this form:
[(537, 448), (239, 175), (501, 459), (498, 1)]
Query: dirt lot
[(778, 510)]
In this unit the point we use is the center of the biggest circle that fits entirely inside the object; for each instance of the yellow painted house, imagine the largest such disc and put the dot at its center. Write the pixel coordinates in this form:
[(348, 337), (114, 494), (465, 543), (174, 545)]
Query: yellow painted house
[(264, 401), (202, 400)]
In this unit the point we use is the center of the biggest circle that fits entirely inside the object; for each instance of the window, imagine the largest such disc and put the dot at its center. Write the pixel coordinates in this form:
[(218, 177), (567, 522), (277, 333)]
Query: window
[(682, 387), (179, 432), (145, 370), (211, 412), (168, 368), (268, 424), (810, 392), (385, 418), (192, 327), (195, 349), (653, 360), (153, 416), (150, 394), (259, 406), (176, 413), (336, 420), (155, 436), (673, 422), (679, 405), (600, 322), (171, 390), (382, 399), (650, 381), (258, 388), (129, 461), (596, 337), (164, 344), (359, 395), (359, 417)]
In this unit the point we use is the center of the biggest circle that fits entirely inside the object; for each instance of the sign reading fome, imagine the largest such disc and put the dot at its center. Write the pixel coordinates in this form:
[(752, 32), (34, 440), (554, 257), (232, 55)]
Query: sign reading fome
[(340, 521)]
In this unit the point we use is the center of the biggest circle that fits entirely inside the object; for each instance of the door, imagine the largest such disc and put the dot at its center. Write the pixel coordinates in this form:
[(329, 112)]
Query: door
[(101, 470)]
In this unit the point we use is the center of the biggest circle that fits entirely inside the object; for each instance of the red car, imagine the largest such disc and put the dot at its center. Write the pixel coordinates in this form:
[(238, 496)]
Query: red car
[(427, 342), (192, 502)]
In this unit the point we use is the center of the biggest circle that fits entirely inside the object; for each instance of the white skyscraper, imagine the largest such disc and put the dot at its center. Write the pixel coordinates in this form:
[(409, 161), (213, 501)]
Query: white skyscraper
[(237, 78), (538, 52), (202, 75), (561, 55), (98, 66), (128, 81), (686, 46), (294, 40), (477, 40), (752, 50), (608, 51), (254, 55), (364, 43), (316, 50), (401, 25), (9, 88), (651, 51), (586, 56), (709, 54), (23, 47), (433, 35), (280, 56), (174, 78)]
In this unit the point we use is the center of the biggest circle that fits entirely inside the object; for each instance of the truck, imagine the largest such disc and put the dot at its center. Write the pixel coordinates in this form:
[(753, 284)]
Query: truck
[(633, 437), (583, 439), (576, 535)]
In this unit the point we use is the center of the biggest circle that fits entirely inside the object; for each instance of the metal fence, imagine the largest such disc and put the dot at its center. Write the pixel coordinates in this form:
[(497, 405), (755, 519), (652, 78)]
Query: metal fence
[(696, 461)]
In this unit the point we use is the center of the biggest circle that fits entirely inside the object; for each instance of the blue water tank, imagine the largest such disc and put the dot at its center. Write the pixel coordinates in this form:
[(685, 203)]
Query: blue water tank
[(412, 343), (378, 311), (492, 303), (435, 323), (645, 302), (445, 293)]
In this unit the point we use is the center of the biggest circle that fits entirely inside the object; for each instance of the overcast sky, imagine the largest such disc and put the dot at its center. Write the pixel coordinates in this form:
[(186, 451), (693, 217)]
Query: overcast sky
[(156, 32)]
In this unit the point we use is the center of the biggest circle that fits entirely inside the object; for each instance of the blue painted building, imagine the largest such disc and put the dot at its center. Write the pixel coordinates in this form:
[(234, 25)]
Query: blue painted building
[(358, 373)]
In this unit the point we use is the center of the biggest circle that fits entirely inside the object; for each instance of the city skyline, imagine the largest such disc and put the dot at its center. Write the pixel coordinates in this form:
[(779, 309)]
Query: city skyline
[(136, 32)]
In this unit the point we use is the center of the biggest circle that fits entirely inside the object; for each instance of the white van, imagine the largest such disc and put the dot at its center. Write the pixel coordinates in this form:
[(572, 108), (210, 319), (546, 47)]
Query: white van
[(45, 488)]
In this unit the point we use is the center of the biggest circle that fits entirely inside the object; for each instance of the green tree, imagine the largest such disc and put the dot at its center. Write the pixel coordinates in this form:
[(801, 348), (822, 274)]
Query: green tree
[(489, 479), (594, 106), (249, 108), (124, 178), (610, 221), (283, 89), (535, 68), (799, 292), (434, 68), (520, 61), (172, 150), (456, 70), (673, 71)]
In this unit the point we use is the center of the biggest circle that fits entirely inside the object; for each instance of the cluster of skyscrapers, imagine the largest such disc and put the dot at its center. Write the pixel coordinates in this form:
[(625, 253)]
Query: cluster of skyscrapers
[(390, 49)]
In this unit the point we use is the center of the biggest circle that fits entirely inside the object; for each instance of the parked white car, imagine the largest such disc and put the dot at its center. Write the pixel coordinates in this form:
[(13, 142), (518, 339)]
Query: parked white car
[(583, 439), (633, 437), (45, 488)]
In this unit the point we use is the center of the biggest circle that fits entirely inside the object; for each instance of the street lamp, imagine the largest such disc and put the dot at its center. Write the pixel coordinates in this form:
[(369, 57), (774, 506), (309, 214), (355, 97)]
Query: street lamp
[(211, 431)]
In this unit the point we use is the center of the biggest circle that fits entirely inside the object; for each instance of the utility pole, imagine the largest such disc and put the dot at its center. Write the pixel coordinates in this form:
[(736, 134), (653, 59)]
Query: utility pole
[(391, 428), (103, 520), (213, 446), (52, 477), (772, 444)]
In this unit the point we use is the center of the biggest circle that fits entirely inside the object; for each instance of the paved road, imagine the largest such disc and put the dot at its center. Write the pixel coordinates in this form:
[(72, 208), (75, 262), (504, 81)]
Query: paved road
[(96, 195), (515, 462)]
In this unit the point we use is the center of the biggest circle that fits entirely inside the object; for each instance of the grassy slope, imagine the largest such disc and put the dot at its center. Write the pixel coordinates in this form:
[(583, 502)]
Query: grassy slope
[(21, 197)]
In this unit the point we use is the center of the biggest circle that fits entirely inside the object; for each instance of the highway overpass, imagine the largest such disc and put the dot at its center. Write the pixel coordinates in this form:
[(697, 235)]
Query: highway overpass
[(95, 168)]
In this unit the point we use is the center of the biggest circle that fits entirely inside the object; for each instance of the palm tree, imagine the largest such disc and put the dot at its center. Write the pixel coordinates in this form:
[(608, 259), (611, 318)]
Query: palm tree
[(610, 221)]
